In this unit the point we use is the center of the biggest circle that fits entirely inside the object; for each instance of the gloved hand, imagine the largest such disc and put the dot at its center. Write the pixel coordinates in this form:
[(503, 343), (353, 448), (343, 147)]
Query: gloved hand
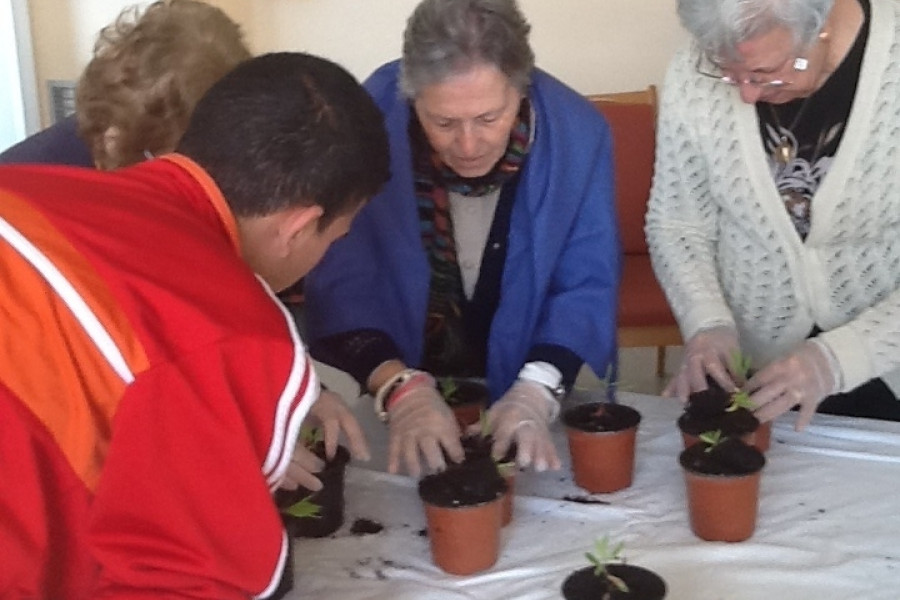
[(709, 351), (419, 421), (331, 416), (523, 415), (805, 377)]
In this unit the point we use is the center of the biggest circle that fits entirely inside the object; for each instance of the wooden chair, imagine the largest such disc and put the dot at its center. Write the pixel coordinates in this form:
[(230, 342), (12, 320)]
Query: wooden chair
[(645, 318)]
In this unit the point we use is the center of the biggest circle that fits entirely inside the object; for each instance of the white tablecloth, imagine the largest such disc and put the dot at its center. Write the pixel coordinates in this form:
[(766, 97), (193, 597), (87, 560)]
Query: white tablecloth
[(828, 524)]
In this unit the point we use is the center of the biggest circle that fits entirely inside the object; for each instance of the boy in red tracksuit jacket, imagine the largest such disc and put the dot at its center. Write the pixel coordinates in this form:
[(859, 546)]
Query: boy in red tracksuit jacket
[(151, 385)]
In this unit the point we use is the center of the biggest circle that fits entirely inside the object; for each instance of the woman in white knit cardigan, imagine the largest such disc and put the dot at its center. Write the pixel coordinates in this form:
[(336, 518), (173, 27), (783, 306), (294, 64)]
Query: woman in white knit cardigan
[(774, 220)]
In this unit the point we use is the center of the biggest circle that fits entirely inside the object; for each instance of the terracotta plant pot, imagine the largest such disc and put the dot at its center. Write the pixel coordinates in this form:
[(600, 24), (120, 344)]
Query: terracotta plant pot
[(643, 584), (506, 503), (464, 539), (466, 398), (463, 508), (763, 436), (706, 411), (723, 489), (602, 440), (508, 469), (477, 449), (759, 439), (467, 414), (330, 498)]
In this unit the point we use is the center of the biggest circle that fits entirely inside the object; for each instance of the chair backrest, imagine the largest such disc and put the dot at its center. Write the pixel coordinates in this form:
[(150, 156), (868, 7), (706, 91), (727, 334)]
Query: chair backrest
[(632, 118)]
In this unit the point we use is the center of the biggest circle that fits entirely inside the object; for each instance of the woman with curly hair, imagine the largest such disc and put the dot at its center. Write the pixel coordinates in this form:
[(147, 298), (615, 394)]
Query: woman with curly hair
[(149, 68)]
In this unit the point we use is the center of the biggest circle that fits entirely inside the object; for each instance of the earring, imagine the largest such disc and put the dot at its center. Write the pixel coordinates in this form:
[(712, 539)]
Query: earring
[(800, 64)]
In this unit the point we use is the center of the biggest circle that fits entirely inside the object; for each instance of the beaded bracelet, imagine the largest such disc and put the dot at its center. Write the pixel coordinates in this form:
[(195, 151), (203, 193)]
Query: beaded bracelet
[(385, 394)]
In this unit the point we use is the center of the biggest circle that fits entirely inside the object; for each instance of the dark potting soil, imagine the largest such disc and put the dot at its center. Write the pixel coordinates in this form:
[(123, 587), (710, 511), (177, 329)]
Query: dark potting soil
[(584, 500), (706, 410), (601, 416), (330, 498), (643, 584), (364, 526), (473, 481), (730, 457)]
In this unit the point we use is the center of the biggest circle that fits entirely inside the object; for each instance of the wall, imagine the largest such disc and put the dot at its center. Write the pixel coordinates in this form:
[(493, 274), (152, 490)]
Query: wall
[(593, 45)]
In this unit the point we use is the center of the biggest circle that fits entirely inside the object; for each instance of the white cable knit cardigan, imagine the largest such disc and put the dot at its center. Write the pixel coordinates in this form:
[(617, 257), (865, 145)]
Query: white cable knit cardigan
[(722, 243)]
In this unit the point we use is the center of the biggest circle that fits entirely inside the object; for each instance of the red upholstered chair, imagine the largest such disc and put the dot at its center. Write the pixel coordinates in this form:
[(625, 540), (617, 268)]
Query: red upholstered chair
[(645, 318)]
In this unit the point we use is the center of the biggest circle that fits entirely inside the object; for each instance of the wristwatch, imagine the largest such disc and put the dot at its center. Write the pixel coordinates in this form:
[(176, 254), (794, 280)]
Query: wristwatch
[(545, 374)]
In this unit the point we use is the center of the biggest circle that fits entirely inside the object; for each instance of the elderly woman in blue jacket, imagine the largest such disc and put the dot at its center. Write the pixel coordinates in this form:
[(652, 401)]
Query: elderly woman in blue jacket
[(493, 251)]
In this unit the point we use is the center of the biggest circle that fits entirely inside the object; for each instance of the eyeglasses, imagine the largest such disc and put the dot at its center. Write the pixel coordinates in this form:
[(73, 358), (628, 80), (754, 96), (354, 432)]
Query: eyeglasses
[(710, 68)]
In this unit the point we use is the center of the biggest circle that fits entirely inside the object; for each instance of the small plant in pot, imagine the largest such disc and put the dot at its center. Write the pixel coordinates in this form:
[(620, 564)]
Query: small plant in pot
[(463, 508), (329, 499), (602, 437), (609, 578), (478, 446), (729, 412), (467, 398), (722, 476)]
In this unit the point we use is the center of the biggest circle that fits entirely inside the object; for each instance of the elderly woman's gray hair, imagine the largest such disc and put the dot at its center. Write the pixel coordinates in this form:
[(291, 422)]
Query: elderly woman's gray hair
[(445, 37), (718, 26)]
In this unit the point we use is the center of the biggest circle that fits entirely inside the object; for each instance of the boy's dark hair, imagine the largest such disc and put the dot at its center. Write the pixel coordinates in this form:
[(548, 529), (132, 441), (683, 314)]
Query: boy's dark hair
[(288, 129)]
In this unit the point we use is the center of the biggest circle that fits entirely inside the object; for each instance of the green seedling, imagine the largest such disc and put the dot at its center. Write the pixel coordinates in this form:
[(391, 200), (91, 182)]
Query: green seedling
[(711, 439), (311, 436), (506, 468), (448, 388), (304, 509), (604, 553), (484, 425), (740, 399), (484, 430), (740, 365)]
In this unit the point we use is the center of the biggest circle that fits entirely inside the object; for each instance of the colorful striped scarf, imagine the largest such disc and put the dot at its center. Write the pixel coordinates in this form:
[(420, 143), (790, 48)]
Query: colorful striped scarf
[(445, 347)]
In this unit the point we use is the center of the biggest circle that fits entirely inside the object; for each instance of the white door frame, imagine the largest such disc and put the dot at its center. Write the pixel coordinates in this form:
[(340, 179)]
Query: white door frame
[(19, 83)]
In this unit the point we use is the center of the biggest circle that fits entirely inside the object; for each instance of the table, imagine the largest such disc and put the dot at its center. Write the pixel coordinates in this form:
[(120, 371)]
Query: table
[(828, 523)]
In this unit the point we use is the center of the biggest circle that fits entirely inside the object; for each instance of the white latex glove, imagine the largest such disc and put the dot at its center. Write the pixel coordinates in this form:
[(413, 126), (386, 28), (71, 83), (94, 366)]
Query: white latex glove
[(331, 416), (419, 421), (523, 415), (708, 351), (805, 377)]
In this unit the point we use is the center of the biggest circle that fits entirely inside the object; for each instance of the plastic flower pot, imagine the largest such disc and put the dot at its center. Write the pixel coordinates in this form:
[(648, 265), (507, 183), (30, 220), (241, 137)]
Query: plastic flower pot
[(762, 437), (508, 469), (707, 410), (463, 510), (330, 498), (602, 440), (466, 398), (723, 489), (506, 502)]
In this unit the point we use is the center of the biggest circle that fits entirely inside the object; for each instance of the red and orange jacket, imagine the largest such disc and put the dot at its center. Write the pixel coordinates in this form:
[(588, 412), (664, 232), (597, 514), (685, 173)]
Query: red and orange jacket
[(151, 389)]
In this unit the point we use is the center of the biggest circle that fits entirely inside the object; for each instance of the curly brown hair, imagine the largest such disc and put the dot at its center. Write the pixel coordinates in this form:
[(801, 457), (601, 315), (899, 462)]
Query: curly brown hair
[(147, 73)]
